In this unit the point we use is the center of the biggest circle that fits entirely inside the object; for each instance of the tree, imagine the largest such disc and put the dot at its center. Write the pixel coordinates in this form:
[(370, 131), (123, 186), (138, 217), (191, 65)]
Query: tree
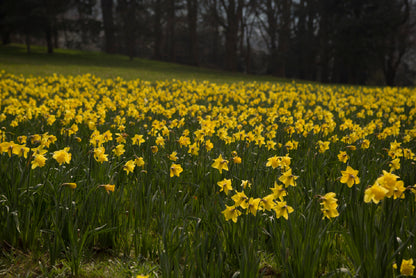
[(107, 7), (233, 11), (192, 16)]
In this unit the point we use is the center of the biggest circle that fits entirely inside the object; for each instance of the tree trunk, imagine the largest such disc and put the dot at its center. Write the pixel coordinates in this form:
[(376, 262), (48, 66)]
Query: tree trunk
[(284, 38), (157, 31), (48, 36), (192, 6), (107, 10), (234, 12), (170, 31)]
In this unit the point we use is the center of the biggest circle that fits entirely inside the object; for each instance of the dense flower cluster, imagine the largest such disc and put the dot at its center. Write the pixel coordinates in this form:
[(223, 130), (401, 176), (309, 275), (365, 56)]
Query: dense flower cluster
[(266, 149)]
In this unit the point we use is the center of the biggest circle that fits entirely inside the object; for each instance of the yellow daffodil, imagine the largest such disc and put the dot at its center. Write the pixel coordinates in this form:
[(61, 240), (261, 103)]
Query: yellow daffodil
[(71, 185), (108, 187), (175, 170), (129, 166), (225, 185), (350, 177), (173, 156), (62, 156), (119, 150), (220, 164), (282, 209), (288, 179), (343, 157), (231, 213)]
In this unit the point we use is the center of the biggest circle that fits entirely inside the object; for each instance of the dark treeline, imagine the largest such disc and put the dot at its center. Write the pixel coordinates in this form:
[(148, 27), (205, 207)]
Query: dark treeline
[(352, 41)]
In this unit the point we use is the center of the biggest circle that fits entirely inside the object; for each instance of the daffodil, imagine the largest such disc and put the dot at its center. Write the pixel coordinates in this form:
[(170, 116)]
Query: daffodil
[(350, 177), (71, 185), (406, 268), (240, 199), (108, 187), (253, 205), (278, 191), (175, 170), (375, 193), (231, 213), (287, 178), (39, 160), (282, 209), (62, 156), (273, 162), (137, 139), (139, 161), (343, 157), (99, 154), (245, 183), (225, 185), (154, 149), (173, 156), (267, 202), (220, 164), (129, 166), (119, 150)]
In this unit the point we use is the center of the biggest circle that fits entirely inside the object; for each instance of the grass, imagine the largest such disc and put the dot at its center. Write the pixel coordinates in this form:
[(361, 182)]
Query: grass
[(20, 264), (14, 59)]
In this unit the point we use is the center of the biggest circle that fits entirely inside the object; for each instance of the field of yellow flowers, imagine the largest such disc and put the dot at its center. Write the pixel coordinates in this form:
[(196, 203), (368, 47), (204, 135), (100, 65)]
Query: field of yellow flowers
[(209, 180)]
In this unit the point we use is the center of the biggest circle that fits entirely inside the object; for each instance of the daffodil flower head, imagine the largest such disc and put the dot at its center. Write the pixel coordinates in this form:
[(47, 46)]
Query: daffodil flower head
[(175, 170), (62, 156), (220, 164), (350, 177)]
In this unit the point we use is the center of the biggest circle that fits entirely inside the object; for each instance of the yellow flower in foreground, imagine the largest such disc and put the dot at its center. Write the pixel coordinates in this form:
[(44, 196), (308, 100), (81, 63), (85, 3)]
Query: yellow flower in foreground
[(225, 185), (154, 149), (329, 212), (394, 164), (350, 176), (129, 166), (273, 162), (253, 206), (282, 209), (329, 200), (329, 205), (119, 150), (237, 159), (175, 170), (240, 199), (139, 161), (220, 164), (173, 156), (62, 156), (209, 145), (99, 154), (245, 183), (71, 185), (278, 191), (142, 276), (231, 213), (137, 139), (375, 193), (108, 187), (267, 202), (343, 157), (406, 267), (38, 161), (365, 144), (288, 179)]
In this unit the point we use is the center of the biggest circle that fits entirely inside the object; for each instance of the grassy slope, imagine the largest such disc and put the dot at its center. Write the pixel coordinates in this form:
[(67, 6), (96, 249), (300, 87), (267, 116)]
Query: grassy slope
[(14, 59)]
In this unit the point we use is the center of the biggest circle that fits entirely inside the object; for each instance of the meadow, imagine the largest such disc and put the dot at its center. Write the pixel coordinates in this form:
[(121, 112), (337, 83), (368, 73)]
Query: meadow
[(200, 178)]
